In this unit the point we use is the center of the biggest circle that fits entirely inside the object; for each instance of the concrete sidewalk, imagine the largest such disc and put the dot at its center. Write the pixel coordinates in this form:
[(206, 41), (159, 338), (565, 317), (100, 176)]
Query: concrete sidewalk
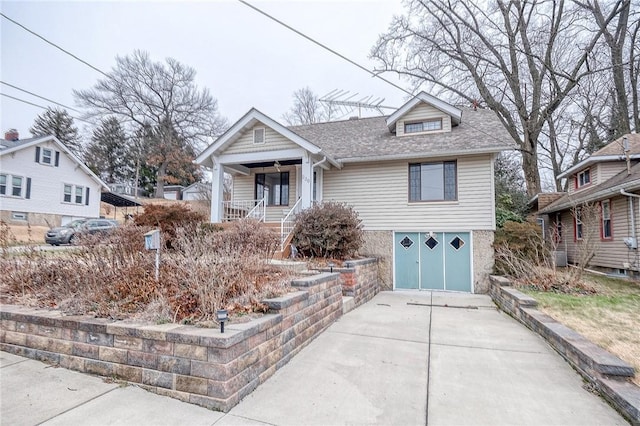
[(404, 358)]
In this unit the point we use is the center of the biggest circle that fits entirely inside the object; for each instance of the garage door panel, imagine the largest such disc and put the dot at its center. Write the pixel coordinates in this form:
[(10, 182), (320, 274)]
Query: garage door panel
[(458, 261), (432, 261), (407, 260)]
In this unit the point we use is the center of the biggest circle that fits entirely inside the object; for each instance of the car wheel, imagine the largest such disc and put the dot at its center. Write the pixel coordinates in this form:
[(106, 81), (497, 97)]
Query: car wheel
[(73, 240)]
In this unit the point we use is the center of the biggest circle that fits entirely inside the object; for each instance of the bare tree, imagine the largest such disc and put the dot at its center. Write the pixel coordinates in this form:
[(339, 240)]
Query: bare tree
[(163, 95), (307, 109), (522, 59)]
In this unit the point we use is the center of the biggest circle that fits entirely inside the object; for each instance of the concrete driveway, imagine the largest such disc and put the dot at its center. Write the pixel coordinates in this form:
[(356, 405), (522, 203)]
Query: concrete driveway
[(404, 358)]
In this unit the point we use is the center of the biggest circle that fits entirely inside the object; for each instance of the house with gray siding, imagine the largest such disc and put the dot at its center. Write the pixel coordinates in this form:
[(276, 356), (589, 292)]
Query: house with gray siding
[(607, 185), (43, 183), (421, 180)]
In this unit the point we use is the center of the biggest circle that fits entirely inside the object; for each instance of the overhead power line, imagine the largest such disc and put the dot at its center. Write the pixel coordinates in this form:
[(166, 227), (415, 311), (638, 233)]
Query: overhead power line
[(325, 47), (44, 107), (54, 45), (38, 96)]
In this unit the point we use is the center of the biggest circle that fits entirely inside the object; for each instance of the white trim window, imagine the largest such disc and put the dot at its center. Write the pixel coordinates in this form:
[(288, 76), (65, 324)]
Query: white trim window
[(431, 125), (583, 178), (259, 136), (3, 184), (73, 194), (16, 186), (46, 156)]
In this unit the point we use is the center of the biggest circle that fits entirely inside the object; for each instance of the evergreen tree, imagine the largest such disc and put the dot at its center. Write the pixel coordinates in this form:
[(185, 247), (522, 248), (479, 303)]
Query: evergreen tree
[(59, 123), (108, 152)]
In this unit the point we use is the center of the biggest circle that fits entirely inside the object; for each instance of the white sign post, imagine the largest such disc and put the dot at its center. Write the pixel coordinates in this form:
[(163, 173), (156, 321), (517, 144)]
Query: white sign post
[(152, 242)]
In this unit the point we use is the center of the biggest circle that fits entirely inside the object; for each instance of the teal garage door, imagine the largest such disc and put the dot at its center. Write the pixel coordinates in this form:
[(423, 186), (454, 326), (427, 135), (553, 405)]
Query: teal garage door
[(433, 261)]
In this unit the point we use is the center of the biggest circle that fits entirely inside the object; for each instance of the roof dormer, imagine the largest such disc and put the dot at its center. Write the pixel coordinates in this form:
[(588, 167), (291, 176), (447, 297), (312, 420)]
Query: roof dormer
[(424, 114)]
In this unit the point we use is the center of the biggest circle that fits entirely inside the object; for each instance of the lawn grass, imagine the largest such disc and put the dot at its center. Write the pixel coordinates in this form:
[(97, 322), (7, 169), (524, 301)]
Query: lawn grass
[(610, 318)]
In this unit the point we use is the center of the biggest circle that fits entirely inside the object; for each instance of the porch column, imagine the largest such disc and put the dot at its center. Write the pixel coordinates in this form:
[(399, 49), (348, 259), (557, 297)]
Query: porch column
[(217, 190), (306, 192)]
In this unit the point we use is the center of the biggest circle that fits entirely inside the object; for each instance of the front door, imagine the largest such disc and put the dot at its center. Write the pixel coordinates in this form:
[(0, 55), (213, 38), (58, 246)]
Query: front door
[(433, 260)]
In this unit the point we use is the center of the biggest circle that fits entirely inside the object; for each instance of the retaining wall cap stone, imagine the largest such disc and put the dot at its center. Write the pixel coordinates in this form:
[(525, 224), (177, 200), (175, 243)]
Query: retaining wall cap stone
[(315, 279), (284, 301), (523, 299)]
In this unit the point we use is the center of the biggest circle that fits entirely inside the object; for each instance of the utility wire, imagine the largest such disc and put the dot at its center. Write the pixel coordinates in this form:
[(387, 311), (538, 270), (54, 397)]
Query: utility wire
[(324, 46), (38, 96), (54, 45), (44, 107)]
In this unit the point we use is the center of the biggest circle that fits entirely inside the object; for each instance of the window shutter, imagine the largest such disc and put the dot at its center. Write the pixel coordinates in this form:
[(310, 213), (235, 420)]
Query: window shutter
[(28, 194), (86, 201), (37, 154), (57, 158)]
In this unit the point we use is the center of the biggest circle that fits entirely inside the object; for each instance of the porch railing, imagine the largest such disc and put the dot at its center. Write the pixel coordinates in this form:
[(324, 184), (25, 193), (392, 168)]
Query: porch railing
[(287, 222), (236, 210)]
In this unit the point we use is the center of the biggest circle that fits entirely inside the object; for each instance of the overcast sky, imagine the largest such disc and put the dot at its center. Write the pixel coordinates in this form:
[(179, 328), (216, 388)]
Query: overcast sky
[(243, 58)]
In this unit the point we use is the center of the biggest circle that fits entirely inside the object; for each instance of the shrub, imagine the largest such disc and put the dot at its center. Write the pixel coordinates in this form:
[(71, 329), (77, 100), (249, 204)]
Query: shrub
[(329, 230), (168, 218), (113, 276)]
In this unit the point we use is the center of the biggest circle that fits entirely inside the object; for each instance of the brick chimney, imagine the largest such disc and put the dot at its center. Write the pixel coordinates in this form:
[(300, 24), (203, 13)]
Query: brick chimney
[(12, 135)]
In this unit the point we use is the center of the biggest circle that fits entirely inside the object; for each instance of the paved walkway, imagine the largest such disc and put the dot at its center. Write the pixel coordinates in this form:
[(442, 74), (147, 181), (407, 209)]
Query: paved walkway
[(404, 358)]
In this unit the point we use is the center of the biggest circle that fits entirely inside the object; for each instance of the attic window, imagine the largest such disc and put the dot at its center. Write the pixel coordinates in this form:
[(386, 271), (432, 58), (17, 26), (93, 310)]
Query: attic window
[(584, 178), (258, 136), (423, 126)]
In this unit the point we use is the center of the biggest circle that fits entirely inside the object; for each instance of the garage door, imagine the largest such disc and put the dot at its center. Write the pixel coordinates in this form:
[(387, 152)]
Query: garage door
[(433, 261)]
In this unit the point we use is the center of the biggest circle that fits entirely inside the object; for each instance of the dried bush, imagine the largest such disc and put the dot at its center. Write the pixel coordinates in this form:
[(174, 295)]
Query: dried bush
[(113, 276), (168, 218), (329, 230), (522, 254)]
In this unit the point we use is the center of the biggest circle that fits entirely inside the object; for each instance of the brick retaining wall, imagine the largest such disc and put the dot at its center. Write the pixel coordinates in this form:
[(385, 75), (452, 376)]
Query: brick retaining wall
[(608, 373), (359, 278), (197, 365)]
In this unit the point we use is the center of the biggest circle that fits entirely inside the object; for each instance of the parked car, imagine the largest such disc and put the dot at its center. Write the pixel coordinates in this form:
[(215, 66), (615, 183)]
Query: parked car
[(68, 234)]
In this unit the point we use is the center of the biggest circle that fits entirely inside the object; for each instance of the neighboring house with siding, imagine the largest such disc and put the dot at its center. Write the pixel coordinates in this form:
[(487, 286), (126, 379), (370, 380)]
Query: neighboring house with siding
[(420, 179), (198, 191), (43, 183), (608, 184)]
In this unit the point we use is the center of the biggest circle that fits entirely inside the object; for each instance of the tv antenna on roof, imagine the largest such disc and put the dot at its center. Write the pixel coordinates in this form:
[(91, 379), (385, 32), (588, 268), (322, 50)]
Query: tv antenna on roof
[(346, 103)]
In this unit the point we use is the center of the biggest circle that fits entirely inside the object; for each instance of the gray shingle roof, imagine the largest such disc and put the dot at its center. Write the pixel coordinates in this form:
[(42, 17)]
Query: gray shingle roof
[(11, 144), (370, 139)]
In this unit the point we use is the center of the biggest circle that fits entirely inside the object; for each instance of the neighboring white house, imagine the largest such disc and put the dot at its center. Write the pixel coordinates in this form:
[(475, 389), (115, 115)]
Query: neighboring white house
[(43, 183), (421, 180)]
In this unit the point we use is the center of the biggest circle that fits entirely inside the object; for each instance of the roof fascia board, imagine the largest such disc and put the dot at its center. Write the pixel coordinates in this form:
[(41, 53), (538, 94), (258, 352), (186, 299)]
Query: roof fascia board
[(261, 156), (443, 106), (632, 185), (416, 155), (66, 150), (595, 159)]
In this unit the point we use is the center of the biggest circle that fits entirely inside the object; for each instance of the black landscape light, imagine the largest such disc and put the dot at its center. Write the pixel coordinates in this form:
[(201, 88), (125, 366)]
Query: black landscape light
[(331, 265), (222, 316)]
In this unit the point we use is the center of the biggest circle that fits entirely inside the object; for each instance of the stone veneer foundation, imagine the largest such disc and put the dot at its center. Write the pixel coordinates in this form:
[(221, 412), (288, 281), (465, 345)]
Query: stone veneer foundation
[(197, 365)]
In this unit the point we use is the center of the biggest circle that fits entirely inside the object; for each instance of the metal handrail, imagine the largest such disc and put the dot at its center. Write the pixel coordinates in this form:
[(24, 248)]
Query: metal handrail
[(259, 211), (286, 223)]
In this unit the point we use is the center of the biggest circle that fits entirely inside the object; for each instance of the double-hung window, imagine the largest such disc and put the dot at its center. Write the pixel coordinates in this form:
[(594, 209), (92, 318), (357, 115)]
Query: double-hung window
[(433, 181), (16, 186), (583, 178), (3, 184), (274, 187), (46, 156), (79, 193), (606, 220), (68, 190)]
